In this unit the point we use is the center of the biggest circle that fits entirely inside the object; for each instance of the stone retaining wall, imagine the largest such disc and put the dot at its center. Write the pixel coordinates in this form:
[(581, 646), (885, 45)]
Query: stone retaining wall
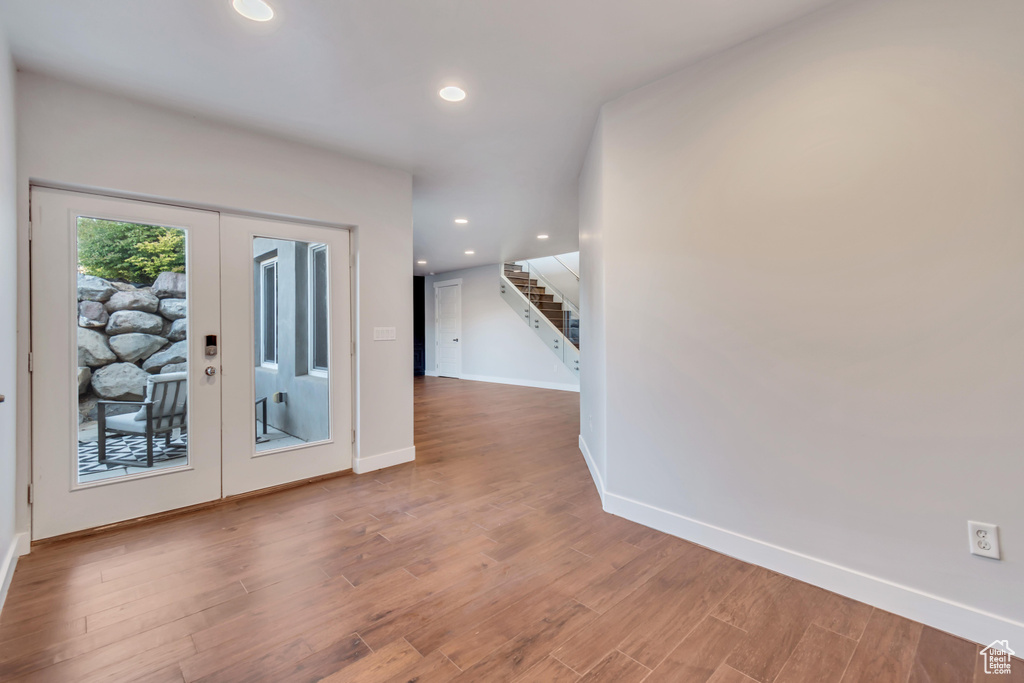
[(126, 333)]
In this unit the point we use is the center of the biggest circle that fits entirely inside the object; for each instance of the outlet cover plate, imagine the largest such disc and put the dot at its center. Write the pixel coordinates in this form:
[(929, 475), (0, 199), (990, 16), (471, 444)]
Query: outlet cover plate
[(984, 539)]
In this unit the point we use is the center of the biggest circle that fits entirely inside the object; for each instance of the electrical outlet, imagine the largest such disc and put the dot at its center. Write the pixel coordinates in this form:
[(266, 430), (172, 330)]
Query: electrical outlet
[(984, 539)]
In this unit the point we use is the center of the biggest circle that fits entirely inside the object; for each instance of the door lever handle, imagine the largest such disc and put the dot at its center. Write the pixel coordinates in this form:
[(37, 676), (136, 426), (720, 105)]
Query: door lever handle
[(456, 339)]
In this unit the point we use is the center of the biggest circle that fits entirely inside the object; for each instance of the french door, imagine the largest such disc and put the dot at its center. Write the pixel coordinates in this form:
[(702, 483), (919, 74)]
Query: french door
[(180, 356), (286, 322)]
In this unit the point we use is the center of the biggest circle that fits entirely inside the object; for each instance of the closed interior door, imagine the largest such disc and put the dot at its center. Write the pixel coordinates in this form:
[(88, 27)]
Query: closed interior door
[(287, 352), (448, 305), (125, 420)]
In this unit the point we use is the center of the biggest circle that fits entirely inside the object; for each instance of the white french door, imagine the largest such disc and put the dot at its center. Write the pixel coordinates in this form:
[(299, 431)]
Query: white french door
[(180, 356), (81, 367), (287, 352)]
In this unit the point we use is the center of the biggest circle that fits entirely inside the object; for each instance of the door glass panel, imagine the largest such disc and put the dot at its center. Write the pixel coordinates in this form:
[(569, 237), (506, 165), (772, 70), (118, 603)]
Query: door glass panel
[(268, 313), (319, 321), (291, 342), (132, 329)]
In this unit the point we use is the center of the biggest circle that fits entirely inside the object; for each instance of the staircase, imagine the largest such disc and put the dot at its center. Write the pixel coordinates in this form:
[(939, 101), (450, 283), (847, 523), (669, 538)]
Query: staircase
[(544, 301), (551, 316)]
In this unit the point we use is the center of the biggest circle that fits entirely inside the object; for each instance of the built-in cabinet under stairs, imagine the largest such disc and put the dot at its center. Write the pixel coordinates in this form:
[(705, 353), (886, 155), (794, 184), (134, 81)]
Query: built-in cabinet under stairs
[(551, 315)]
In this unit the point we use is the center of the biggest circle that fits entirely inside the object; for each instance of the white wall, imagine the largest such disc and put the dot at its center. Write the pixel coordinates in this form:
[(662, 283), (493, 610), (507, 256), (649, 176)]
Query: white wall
[(812, 256), (10, 544), (593, 348), (77, 136), (496, 345)]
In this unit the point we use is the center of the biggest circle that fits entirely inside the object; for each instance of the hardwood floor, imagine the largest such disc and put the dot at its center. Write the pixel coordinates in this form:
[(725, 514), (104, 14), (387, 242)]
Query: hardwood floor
[(488, 559)]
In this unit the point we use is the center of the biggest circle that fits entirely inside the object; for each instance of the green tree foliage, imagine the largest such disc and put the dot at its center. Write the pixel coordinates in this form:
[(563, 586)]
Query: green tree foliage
[(129, 251)]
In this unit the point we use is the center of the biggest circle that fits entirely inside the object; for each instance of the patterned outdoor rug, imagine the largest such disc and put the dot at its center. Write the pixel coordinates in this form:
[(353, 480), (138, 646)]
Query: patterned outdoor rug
[(128, 448)]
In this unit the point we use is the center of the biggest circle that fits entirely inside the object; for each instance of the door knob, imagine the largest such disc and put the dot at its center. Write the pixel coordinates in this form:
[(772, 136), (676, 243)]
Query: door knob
[(456, 339), (211, 371)]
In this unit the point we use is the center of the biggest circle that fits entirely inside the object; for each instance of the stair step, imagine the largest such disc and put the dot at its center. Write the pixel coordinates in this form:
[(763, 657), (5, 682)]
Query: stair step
[(527, 284), (532, 290), (536, 292)]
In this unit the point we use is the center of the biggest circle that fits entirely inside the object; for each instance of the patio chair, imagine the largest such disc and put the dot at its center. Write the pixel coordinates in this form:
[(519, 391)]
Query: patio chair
[(163, 411)]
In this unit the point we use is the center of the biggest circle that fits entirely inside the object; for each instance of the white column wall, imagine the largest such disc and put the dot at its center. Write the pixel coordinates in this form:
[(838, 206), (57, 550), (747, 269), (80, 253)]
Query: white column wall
[(809, 251), (11, 542)]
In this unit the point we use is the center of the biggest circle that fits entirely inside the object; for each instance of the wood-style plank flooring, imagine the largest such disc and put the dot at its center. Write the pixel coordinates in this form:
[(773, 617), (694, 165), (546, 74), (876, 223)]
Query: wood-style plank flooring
[(488, 559)]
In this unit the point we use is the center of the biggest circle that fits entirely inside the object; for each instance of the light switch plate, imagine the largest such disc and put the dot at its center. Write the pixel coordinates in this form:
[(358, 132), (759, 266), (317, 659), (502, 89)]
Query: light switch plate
[(384, 334), (984, 539)]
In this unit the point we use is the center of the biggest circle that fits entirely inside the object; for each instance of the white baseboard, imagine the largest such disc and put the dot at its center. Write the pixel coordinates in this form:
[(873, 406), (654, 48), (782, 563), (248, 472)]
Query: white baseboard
[(937, 612), (431, 373), (560, 386), (595, 473), (19, 546), (381, 460)]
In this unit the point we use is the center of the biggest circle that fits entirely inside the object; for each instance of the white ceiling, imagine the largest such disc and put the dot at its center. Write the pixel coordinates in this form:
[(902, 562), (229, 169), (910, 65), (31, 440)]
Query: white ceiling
[(362, 76)]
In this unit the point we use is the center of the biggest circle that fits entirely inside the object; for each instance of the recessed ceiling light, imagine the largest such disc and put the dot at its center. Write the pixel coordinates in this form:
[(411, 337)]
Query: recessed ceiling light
[(449, 93), (257, 10), (461, 221), (542, 237), (470, 252), (422, 263)]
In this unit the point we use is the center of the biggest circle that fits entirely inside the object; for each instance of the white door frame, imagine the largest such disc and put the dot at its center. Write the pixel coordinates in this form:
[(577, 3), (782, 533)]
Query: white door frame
[(457, 283), (174, 204)]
